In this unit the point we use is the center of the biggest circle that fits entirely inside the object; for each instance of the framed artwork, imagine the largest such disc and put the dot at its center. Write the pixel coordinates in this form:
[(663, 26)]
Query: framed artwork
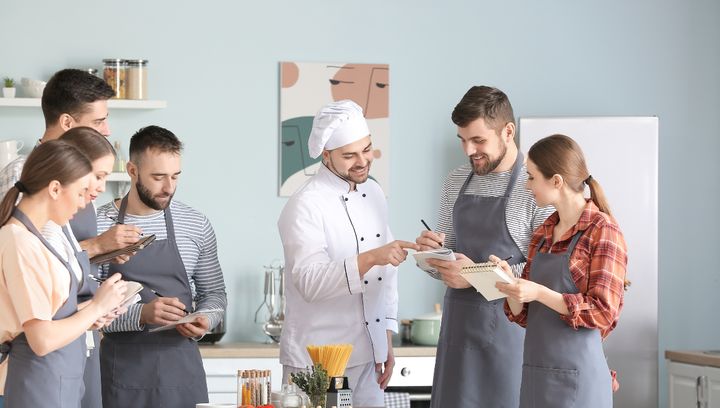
[(307, 87)]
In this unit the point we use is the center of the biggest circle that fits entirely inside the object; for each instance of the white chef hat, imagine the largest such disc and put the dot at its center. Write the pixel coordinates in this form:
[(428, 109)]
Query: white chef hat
[(335, 125)]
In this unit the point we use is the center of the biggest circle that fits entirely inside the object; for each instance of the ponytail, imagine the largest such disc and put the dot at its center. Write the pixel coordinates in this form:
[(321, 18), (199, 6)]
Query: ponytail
[(597, 195), (8, 204)]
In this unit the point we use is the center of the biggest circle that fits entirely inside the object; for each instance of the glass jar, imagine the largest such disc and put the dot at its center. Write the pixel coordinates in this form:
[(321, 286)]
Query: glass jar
[(114, 73), (137, 76)]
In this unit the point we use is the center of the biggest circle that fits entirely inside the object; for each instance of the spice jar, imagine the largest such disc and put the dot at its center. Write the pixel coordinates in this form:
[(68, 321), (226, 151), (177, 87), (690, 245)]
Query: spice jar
[(114, 73), (137, 76)]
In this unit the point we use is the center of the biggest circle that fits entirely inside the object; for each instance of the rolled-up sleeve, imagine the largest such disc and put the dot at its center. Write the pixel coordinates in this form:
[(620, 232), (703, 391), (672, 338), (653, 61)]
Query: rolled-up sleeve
[(599, 306)]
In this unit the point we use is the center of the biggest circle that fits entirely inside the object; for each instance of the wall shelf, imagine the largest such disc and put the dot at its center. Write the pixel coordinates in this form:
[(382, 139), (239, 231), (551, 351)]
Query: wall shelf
[(117, 176), (112, 103)]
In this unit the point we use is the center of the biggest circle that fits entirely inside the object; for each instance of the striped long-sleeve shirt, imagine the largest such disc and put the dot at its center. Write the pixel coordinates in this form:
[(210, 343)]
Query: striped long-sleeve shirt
[(597, 265), (196, 242), (523, 216)]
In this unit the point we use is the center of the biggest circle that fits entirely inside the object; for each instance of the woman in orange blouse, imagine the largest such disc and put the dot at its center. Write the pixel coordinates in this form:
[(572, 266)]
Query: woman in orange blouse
[(41, 329), (571, 291)]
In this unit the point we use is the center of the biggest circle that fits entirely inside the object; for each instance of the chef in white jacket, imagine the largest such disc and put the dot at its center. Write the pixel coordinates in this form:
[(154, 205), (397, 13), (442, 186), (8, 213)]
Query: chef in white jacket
[(340, 257)]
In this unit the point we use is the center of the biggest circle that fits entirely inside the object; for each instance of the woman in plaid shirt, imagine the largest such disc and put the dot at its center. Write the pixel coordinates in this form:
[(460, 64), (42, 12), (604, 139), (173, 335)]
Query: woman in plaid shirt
[(571, 291)]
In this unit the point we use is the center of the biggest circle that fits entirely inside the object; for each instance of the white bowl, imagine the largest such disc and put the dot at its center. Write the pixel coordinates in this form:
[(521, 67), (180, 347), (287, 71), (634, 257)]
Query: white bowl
[(32, 88)]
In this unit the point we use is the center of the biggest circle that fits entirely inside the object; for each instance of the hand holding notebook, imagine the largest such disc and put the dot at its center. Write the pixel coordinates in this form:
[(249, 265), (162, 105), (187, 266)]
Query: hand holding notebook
[(108, 256), (483, 277), (421, 258), (187, 319)]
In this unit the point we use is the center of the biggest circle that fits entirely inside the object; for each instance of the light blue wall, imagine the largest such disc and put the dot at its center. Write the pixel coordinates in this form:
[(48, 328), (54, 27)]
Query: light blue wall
[(216, 63)]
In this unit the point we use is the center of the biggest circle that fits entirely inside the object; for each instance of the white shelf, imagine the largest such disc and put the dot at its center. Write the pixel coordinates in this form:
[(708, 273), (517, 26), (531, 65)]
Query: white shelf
[(112, 103), (118, 177)]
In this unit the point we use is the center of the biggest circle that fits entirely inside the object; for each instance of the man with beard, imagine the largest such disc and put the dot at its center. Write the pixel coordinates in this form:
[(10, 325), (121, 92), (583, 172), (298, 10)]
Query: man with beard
[(484, 209), (180, 273), (340, 257)]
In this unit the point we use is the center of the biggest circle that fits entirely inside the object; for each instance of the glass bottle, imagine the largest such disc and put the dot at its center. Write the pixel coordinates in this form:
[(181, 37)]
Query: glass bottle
[(137, 76), (119, 166), (114, 73)]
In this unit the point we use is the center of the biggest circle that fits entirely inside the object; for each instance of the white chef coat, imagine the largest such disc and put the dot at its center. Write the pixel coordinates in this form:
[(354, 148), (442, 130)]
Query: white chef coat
[(323, 228)]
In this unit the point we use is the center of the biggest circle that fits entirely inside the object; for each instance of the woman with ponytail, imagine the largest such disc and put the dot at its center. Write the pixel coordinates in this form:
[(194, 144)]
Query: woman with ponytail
[(42, 340), (571, 291)]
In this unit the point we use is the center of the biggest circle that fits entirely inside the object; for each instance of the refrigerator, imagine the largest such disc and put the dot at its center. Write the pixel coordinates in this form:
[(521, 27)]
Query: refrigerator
[(622, 155)]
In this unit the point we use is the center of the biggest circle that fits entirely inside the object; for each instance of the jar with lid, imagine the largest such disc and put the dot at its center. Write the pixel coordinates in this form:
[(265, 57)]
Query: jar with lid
[(137, 76), (114, 73)]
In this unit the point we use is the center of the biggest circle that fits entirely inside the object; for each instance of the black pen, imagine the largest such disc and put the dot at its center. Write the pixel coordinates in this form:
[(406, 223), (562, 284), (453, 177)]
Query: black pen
[(114, 219), (158, 294), (508, 258), (428, 228), (96, 279)]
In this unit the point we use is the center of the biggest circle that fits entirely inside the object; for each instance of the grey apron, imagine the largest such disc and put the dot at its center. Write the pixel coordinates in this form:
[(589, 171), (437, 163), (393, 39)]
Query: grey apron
[(93, 396), (479, 354), (562, 367), (56, 379), (161, 369)]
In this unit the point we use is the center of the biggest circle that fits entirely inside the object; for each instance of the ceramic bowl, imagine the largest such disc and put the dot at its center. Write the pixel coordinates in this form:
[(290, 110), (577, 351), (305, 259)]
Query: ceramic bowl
[(32, 88)]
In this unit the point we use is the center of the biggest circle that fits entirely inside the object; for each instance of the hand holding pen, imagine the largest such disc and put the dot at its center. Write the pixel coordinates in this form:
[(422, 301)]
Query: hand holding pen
[(430, 239)]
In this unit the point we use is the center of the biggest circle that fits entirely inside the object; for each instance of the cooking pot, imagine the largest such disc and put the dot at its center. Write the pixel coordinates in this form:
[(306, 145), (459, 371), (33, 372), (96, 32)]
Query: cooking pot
[(425, 329), (216, 333)]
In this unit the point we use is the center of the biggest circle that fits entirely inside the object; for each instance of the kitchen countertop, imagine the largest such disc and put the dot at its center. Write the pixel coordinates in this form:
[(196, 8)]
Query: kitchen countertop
[(262, 350), (694, 357)]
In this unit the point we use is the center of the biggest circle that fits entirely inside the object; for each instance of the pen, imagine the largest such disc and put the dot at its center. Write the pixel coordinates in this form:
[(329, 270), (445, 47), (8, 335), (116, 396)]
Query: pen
[(160, 295), (95, 278), (508, 258), (114, 219), (428, 228)]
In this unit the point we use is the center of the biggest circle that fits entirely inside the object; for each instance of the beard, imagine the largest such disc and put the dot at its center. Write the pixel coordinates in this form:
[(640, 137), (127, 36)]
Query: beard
[(490, 163), (147, 198), (348, 176)]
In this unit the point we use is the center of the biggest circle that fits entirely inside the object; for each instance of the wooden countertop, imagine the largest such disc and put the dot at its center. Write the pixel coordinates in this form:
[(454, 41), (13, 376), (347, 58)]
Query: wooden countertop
[(694, 357), (261, 350)]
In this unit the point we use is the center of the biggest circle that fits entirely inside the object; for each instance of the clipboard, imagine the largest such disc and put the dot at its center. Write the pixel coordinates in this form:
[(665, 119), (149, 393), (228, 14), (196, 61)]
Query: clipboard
[(108, 256), (483, 277)]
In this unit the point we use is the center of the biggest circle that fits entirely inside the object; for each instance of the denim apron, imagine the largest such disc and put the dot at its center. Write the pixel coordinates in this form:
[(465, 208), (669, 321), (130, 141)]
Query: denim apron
[(56, 379), (562, 367), (161, 369), (479, 354)]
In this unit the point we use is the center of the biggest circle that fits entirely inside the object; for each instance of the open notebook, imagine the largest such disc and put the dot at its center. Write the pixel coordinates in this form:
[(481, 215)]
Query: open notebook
[(483, 277), (421, 257), (187, 319)]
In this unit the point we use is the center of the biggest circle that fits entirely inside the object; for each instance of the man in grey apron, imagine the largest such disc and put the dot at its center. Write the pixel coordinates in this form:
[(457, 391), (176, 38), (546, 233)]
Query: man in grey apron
[(562, 366), (55, 379), (484, 210), (160, 369)]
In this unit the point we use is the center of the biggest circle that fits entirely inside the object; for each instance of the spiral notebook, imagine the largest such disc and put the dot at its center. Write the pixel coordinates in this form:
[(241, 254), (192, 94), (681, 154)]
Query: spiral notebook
[(421, 257), (483, 277), (106, 257)]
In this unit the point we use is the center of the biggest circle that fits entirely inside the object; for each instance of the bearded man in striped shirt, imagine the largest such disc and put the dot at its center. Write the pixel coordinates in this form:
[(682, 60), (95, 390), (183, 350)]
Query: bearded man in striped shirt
[(484, 209)]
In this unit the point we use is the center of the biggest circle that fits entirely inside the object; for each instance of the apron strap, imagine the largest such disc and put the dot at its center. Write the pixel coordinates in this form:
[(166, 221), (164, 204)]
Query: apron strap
[(4, 351), (20, 216), (515, 173)]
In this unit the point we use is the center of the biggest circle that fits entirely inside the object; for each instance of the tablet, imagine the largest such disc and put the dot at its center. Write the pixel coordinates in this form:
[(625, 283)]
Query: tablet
[(109, 256)]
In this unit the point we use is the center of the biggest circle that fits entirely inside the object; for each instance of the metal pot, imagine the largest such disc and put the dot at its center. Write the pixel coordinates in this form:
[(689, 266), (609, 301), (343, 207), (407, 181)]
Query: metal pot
[(425, 330)]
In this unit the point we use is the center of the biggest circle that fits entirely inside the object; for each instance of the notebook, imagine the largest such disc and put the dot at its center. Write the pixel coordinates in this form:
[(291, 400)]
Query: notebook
[(483, 277), (187, 319), (132, 295), (441, 253), (109, 256)]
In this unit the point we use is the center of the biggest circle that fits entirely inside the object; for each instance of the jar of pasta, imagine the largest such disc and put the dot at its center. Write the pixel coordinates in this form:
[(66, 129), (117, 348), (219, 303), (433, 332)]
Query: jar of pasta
[(114, 73), (137, 76)]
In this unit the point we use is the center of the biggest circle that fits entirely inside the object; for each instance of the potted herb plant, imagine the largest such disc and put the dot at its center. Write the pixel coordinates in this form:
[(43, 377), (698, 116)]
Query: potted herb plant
[(314, 382), (8, 87)]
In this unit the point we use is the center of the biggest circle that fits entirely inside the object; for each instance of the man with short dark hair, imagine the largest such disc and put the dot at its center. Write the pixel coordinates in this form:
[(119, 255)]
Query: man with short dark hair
[(71, 98), (484, 209), (180, 272)]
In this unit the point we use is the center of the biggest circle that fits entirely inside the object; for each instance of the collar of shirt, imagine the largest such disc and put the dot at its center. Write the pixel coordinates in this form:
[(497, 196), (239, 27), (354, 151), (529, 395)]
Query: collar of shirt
[(585, 220), (332, 180)]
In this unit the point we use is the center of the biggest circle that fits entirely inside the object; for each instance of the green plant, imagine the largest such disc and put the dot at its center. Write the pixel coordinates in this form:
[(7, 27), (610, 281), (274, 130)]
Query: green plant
[(9, 82), (314, 382)]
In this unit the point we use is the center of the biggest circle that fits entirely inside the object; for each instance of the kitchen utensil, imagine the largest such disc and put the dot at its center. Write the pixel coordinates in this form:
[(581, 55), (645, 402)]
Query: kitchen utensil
[(9, 150), (425, 329), (274, 313)]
